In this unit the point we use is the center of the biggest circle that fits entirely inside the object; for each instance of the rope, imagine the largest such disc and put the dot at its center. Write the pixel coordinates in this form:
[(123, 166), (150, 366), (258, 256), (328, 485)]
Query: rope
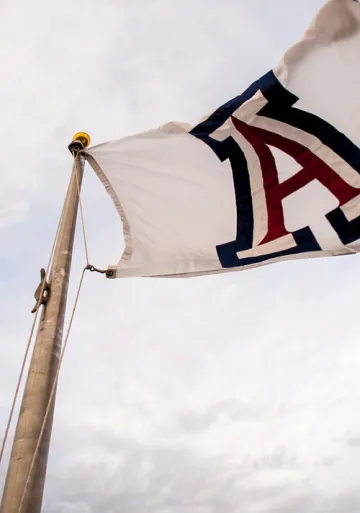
[(51, 397), (53, 389), (29, 343), (81, 212), (47, 411)]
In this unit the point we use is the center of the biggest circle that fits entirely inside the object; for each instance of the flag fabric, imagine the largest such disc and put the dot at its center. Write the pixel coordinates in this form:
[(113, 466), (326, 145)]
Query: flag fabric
[(272, 174)]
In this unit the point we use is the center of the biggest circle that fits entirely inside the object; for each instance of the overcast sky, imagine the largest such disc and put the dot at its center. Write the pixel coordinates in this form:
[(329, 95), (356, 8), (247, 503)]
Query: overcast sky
[(230, 394)]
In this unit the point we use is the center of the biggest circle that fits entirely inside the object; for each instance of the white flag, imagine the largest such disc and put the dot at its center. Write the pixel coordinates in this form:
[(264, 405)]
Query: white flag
[(272, 174)]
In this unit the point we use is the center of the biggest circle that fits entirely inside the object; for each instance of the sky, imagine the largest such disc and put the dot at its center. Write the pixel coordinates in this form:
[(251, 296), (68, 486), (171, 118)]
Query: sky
[(225, 394)]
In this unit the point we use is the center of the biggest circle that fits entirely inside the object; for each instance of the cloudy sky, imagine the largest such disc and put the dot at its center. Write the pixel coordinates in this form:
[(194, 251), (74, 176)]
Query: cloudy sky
[(228, 394)]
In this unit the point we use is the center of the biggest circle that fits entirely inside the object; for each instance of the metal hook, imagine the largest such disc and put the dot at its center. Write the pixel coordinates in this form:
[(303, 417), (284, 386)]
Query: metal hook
[(109, 273)]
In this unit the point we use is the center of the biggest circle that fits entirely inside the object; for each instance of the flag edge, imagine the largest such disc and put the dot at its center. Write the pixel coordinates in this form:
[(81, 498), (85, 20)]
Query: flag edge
[(128, 249)]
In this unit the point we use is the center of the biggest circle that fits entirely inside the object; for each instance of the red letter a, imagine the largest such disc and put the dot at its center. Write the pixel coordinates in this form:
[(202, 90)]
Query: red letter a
[(312, 168)]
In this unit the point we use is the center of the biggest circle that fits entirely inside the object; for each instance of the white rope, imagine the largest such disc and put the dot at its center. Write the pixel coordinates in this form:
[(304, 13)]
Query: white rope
[(36, 452), (11, 414), (51, 397), (81, 214)]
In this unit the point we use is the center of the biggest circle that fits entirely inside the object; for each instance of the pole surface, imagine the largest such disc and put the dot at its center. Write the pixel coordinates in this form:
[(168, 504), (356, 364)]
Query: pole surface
[(42, 371)]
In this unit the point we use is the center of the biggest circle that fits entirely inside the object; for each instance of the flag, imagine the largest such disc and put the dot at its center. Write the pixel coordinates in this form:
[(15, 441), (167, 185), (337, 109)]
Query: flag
[(272, 174)]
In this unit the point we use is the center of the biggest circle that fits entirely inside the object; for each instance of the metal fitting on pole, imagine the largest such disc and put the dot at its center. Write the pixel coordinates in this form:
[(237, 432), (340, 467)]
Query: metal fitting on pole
[(81, 140)]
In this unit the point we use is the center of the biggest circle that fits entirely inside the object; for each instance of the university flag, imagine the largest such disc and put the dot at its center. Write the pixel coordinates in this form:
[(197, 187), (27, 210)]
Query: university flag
[(272, 174)]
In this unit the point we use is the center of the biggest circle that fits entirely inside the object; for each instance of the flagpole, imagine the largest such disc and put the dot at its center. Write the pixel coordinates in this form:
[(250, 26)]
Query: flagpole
[(44, 363)]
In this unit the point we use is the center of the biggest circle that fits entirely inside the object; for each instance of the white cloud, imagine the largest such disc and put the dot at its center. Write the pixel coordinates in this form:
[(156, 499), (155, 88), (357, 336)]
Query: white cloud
[(214, 395), (13, 213)]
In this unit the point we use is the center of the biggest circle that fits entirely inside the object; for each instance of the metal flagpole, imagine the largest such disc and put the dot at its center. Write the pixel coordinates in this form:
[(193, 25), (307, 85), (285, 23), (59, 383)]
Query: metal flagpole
[(44, 362)]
